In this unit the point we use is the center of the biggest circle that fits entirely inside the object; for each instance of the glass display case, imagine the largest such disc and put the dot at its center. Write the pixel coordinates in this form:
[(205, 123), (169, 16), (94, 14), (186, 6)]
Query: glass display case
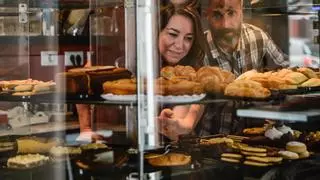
[(88, 90)]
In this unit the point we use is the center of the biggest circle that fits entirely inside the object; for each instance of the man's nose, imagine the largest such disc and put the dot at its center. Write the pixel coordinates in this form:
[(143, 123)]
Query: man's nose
[(226, 22)]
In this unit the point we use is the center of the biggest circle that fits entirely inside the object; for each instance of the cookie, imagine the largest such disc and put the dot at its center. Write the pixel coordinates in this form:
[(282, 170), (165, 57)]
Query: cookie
[(253, 149), (289, 155), (253, 154), (231, 155), (253, 163), (265, 159), (297, 147), (231, 160)]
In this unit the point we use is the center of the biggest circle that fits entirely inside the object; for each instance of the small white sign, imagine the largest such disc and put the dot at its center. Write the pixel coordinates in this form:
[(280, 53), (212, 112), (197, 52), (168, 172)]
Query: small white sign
[(49, 58)]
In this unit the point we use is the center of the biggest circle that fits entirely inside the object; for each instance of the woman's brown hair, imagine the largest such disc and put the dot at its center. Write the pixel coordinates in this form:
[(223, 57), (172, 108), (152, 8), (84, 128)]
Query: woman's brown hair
[(196, 54)]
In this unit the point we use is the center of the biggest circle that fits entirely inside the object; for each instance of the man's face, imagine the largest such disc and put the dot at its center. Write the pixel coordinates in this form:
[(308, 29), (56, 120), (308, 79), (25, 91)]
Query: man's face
[(225, 18)]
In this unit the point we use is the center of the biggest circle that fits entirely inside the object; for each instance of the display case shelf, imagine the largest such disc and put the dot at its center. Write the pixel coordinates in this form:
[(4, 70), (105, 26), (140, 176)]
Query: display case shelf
[(273, 112)]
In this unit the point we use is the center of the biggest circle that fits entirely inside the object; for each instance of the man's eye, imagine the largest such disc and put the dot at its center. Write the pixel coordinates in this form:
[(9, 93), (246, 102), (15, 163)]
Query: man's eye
[(217, 15), (231, 13)]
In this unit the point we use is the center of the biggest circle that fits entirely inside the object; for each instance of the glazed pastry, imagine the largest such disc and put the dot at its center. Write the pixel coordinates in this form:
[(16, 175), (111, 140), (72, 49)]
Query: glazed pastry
[(170, 159), (273, 133), (27, 161), (285, 129)]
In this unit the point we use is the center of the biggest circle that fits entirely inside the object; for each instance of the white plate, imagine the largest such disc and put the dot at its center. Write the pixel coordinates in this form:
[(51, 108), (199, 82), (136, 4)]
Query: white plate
[(161, 99)]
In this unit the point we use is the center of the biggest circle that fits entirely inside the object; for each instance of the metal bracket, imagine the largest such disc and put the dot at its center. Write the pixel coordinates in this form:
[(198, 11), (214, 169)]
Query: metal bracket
[(23, 10)]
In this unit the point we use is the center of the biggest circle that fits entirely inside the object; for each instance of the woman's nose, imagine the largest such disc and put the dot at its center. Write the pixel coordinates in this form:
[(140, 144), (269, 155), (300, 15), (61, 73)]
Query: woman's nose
[(179, 43)]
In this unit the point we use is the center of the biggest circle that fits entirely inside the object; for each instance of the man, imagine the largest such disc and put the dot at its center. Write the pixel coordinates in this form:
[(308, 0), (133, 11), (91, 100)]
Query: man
[(237, 46)]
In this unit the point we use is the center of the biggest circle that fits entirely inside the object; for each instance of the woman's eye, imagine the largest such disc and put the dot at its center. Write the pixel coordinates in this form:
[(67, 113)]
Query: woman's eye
[(173, 34), (189, 38)]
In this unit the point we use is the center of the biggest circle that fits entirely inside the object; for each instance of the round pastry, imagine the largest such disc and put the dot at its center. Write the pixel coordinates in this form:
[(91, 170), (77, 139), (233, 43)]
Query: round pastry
[(273, 133), (170, 159), (288, 155), (167, 72), (297, 147), (305, 154)]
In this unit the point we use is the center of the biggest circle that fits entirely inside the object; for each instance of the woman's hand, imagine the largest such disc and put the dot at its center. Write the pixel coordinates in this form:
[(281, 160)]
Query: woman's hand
[(169, 125)]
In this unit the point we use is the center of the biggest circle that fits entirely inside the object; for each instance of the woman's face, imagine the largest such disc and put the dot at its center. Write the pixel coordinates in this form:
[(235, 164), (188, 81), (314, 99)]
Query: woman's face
[(178, 2), (176, 39)]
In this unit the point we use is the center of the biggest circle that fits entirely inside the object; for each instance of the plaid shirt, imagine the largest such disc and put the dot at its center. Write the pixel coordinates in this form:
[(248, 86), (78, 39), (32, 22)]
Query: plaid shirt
[(255, 50)]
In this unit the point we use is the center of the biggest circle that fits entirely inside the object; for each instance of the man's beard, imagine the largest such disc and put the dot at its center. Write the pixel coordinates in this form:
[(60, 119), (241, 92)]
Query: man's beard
[(227, 36)]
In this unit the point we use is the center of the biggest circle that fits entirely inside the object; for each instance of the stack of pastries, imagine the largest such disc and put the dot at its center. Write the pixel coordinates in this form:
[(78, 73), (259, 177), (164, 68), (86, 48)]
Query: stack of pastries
[(283, 79), (178, 80)]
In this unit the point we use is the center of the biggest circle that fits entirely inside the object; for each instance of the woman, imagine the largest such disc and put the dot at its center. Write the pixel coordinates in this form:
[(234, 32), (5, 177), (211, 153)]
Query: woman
[(179, 3), (181, 41)]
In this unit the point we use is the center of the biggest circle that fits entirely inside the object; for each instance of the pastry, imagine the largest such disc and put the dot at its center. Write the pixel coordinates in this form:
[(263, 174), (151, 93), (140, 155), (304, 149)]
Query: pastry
[(213, 79), (247, 75), (246, 88), (265, 159), (307, 72), (120, 87), (231, 160), (186, 71), (231, 155), (277, 83), (297, 147), (253, 163), (216, 141), (167, 72), (305, 154), (254, 131), (295, 78), (98, 77), (36, 144), (263, 154), (60, 151), (285, 129), (23, 87), (27, 161), (313, 82), (288, 155), (93, 146), (282, 73), (273, 133), (92, 68), (6, 146), (183, 87), (170, 159)]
